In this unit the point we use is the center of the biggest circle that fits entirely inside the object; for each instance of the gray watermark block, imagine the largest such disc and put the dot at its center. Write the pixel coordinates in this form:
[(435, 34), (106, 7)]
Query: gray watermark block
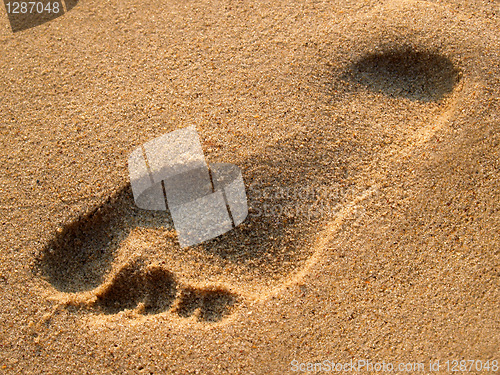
[(171, 171)]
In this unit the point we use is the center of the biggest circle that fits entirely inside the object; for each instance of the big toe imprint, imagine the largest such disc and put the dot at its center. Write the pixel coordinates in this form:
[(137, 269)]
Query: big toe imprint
[(128, 258)]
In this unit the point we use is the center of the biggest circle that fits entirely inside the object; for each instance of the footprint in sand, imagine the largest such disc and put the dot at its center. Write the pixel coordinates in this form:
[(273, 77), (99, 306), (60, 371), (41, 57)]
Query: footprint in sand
[(118, 257)]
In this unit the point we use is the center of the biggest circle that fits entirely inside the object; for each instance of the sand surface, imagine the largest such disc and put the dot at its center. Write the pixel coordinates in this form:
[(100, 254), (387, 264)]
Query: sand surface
[(368, 138)]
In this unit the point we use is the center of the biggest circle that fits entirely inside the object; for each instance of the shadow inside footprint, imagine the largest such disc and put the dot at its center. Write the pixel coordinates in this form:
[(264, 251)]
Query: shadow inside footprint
[(154, 287), (81, 252), (417, 76), (206, 305)]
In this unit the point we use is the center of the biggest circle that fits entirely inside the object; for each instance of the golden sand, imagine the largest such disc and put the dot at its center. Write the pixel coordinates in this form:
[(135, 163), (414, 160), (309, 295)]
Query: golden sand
[(368, 138)]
